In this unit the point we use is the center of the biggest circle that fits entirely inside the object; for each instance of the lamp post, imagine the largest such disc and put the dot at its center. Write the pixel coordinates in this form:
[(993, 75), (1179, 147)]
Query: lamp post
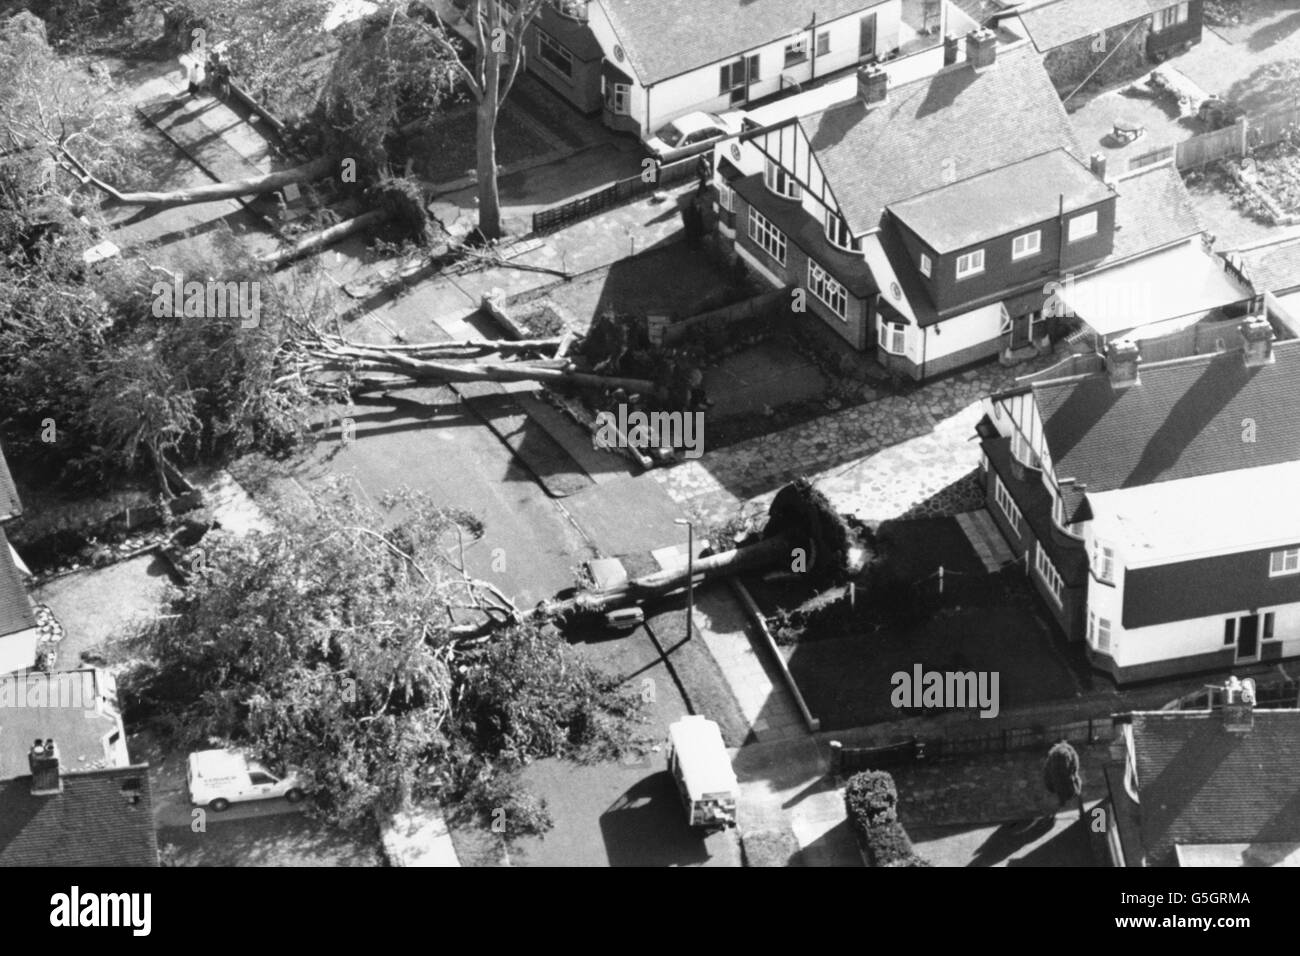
[(690, 574)]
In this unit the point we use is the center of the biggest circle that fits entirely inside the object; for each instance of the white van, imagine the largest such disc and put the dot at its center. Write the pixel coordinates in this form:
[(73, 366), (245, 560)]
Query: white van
[(218, 778), (698, 761)]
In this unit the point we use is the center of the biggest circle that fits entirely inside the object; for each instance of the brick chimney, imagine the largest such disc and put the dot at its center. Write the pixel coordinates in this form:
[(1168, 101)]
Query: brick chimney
[(44, 762), (981, 48), (1122, 360), (1258, 338), (1239, 706), (951, 49), (1097, 163), (873, 85)]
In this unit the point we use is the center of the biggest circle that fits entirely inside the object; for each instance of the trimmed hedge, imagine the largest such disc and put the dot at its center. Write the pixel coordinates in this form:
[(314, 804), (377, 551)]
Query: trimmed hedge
[(871, 800)]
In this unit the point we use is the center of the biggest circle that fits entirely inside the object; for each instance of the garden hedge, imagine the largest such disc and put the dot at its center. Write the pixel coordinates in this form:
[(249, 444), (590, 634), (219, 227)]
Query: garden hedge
[(871, 800)]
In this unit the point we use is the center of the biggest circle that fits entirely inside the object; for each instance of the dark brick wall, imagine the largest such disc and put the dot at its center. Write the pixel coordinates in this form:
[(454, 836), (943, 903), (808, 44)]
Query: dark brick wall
[(1069, 65), (795, 272)]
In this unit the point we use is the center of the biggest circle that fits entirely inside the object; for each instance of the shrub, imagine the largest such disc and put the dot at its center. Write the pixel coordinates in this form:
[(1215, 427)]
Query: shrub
[(871, 800)]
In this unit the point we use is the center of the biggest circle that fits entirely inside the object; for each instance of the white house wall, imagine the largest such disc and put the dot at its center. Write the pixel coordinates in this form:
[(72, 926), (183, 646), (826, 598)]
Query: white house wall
[(698, 89), (18, 651), (963, 331)]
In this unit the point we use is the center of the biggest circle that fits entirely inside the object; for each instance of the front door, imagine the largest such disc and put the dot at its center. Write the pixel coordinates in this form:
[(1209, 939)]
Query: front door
[(1021, 329), (1248, 637), (867, 37)]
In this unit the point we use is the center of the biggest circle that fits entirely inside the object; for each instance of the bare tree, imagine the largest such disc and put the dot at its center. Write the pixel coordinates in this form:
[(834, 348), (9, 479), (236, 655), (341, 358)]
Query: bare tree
[(499, 54)]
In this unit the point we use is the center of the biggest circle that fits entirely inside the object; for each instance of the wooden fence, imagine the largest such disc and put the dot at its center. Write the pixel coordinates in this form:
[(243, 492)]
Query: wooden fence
[(1232, 141), (615, 194)]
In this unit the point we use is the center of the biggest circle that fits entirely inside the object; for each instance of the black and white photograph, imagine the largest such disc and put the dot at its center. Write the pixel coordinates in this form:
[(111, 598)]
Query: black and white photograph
[(510, 434)]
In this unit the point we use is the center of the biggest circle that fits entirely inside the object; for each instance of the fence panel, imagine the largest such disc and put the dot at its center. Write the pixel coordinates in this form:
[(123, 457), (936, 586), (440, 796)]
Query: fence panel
[(615, 194)]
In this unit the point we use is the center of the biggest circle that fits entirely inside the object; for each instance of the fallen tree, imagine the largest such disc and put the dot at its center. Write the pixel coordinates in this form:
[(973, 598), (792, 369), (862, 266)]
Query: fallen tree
[(256, 185)]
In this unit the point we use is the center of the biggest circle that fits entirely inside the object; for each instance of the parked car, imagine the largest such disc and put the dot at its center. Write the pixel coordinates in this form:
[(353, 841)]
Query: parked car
[(218, 778), (691, 134)]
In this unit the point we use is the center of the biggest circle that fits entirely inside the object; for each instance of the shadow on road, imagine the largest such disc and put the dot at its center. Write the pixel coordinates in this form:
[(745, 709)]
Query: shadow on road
[(646, 826)]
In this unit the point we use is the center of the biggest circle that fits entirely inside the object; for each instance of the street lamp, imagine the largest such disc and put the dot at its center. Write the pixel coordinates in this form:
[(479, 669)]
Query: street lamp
[(690, 573)]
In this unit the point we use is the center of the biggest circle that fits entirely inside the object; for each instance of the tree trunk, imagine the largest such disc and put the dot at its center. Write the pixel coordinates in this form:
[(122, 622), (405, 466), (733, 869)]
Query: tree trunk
[(767, 552), (319, 240), (182, 197), (489, 199), (431, 371)]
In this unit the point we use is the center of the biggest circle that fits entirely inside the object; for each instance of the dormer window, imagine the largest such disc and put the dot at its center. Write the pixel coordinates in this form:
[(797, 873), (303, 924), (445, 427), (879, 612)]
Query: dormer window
[(1023, 452), (970, 264), (779, 181), (1058, 516), (837, 232), (1030, 244), (926, 265)]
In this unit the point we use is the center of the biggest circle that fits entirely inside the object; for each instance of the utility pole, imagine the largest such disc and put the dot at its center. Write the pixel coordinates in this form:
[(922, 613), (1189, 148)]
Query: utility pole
[(690, 575)]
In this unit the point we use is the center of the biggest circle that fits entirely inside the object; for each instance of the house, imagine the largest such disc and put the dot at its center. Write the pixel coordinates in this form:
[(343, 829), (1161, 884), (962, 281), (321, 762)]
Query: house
[(69, 794), (1213, 787), (1104, 42), (18, 626), (1153, 504), (930, 224), (641, 65)]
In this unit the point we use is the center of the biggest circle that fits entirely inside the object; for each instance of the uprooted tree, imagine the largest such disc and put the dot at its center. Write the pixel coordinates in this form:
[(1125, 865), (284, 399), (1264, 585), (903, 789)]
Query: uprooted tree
[(332, 644)]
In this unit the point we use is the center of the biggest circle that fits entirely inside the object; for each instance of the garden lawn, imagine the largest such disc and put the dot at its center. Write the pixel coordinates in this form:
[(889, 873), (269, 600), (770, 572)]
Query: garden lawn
[(846, 680), (446, 151)]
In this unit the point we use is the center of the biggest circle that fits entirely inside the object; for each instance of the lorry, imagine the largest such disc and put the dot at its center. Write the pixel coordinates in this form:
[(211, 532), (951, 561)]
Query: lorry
[(218, 778), (698, 762)]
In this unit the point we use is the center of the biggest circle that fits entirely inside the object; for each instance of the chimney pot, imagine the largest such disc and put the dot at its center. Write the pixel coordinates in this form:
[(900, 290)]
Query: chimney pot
[(1097, 163), (44, 763), (1122, 360), (1239, 706), (873, 84), (1257, 337), (981, 48)]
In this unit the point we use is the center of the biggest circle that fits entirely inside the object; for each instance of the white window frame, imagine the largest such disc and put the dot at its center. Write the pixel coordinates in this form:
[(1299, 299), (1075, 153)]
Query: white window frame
[(1099, 632), (548, 44), (1022, 450), (1058, 516), (885, 336), (1029, 244), (780, 182), (796, 51), (1007, 504), (1162, 20), (926, 265), (1283, 562), (769, 238), (1050, 576), (837, 230), (1078, 223), (823, 43), (828, 291), (970, 264), (725, 197), (1103, 562)]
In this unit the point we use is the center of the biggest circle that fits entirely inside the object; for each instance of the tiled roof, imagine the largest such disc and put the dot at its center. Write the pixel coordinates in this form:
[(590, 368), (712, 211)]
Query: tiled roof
[(1200, 783), (1153, 211), (954, 124), (10, 506), (1001, 201), (1275, 267), (1063, 21), (670, 37), (102, 818), (15, 607), (1184, 420)]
